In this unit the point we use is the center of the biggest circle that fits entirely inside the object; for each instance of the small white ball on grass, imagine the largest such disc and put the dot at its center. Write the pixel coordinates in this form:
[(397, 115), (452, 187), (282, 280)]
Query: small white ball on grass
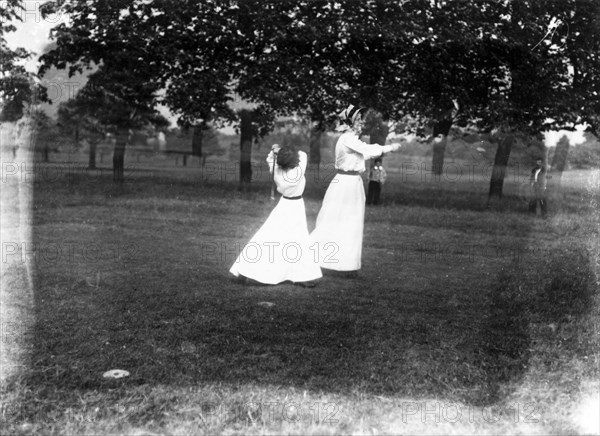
[(116, 373)]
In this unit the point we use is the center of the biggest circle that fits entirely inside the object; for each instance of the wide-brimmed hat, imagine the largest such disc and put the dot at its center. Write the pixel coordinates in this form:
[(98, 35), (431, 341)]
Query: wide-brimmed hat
[(350, 114)]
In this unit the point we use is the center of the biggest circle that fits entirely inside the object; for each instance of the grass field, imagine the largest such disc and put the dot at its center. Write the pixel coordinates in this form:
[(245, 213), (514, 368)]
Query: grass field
[(463, 320)]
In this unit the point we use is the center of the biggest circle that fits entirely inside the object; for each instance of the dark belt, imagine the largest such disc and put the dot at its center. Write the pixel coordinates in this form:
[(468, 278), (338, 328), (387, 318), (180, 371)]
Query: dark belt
[(348, 173), (299, 197)]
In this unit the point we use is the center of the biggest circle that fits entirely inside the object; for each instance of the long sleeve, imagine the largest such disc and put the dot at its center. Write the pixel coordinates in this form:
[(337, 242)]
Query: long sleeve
[(271, 160), (303, 161), (368, 151), (351, 152)]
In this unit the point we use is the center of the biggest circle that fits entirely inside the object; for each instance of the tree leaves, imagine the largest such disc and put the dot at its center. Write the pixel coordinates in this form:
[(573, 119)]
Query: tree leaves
[(17, 87), (314, 56)]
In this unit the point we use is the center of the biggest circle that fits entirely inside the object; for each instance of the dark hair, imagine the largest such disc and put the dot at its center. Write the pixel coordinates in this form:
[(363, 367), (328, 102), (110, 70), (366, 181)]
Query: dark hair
[(287, 157)]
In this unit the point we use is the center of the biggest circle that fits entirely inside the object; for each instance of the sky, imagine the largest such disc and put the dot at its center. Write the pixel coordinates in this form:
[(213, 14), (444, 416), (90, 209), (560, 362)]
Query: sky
[(33, 31), (33, 34), (576, 137)]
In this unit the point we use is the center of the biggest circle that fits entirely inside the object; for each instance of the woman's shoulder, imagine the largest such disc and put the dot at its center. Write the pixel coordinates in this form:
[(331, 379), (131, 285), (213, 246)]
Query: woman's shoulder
[(349, 135)]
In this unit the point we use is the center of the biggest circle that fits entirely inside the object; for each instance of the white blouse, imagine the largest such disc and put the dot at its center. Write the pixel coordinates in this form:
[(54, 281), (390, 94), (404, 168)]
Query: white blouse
[(351, 152), (291, 182)]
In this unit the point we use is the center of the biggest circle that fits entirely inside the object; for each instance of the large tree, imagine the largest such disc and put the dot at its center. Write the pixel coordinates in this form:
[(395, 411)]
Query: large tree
[(551, 62), (80, 119), (48, 136), (113, 102), (313, 58), (515, 68), (450, 59), (193, 51), (118, 40)]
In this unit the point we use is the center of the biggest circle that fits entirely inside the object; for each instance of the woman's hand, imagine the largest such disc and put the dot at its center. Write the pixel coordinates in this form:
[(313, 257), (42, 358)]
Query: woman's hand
[(396, 146)]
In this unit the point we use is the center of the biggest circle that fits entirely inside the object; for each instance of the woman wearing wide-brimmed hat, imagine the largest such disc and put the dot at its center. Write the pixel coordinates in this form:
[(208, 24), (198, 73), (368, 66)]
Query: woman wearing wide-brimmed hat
[(337, 238)]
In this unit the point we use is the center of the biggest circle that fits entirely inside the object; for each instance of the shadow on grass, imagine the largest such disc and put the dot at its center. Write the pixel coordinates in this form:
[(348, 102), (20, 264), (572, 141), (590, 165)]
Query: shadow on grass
[(563, 290), (170, 323), (224, 336), (214, 332), (569, 289), (503, 339)]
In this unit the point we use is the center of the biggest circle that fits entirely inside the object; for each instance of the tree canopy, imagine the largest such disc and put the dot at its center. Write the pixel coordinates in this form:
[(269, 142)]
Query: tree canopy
[(508, 64), (17, 87)]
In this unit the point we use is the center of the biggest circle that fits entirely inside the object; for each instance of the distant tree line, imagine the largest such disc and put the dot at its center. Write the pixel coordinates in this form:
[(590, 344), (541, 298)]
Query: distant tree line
[(505, 68)]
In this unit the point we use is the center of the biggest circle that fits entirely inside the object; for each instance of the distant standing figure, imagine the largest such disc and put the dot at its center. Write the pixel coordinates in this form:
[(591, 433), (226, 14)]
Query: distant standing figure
[(538, 184), (338, 235), (280, 249), (377, 176)]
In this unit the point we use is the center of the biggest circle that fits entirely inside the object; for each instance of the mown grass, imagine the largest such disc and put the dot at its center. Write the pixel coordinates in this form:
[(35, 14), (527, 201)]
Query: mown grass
[(491, 312)]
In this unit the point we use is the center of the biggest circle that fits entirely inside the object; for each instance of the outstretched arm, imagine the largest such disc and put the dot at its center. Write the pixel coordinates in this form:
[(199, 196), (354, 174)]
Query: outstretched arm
[(369, 151)]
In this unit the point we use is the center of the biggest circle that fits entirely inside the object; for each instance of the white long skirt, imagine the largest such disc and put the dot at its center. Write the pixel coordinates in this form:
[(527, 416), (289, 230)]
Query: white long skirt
[(280, 249), (340, 224)]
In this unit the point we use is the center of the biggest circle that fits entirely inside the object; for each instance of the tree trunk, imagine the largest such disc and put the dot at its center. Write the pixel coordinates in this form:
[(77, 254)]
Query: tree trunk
[(197, 140), (119, 157), (92, 156), (245, 149), (315, 148), (559, 161), (379, 134), (500, 164), (439, 148)]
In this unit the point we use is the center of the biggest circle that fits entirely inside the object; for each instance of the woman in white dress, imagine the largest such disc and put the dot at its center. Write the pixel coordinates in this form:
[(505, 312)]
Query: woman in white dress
[(338, 234), (280, 249)]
